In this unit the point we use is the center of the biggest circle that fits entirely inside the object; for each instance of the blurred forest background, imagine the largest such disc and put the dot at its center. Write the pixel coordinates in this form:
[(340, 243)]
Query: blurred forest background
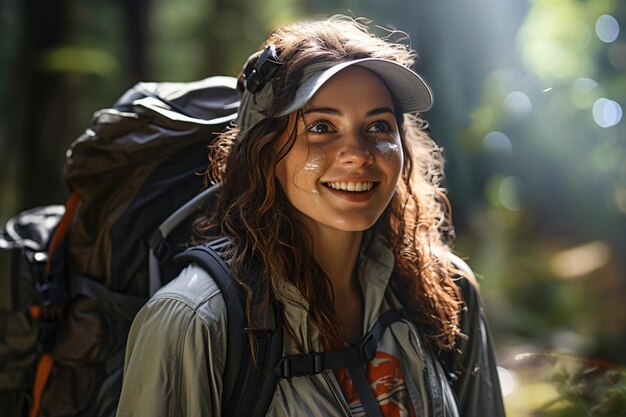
[(528, 107)]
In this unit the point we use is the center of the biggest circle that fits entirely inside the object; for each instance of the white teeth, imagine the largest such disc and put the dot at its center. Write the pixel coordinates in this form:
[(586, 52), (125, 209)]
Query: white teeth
[(352, 186)]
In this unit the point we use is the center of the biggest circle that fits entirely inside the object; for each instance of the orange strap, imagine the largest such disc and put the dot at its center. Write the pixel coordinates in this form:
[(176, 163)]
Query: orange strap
[(62, 228), (41, 378), (46, 361), (35, 311)]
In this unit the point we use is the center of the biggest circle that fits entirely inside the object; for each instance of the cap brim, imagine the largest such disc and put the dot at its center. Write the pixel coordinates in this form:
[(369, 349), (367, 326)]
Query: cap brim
[(408, 89)]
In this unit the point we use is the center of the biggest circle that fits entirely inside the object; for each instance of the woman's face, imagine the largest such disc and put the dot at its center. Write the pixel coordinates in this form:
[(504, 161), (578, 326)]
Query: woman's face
[(343, 168)]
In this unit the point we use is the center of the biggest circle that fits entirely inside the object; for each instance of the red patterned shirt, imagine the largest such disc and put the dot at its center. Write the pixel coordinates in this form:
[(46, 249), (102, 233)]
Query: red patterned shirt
[(388, 384)]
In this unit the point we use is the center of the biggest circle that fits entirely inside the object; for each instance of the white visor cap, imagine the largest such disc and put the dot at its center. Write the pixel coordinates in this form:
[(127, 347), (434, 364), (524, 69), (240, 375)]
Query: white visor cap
[(408, 90)]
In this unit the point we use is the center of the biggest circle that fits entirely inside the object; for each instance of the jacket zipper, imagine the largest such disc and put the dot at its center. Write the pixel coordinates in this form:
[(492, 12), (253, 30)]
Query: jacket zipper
[(429, 396), (338, 395)]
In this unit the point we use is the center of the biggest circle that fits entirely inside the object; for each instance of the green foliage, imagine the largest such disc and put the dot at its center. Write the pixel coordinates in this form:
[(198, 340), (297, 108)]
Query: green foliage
[(537, 138), (584, 388), (550, 120), (79, 60), (550, 230)]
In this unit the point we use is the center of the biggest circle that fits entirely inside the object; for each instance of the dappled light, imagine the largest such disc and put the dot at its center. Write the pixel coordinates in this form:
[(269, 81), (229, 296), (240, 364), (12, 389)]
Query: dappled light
[(580, 261), (607, 28), (508, 380), (497, 142), (607, 113), (528, 107), (517, 104)]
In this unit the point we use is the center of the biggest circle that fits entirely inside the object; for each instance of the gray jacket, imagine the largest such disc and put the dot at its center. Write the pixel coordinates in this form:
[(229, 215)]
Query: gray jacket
[(176, 354)]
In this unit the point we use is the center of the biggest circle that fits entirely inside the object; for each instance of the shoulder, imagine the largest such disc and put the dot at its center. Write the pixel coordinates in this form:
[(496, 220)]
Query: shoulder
[(181, 323), (191, 300), (178, 337), (193, 287)]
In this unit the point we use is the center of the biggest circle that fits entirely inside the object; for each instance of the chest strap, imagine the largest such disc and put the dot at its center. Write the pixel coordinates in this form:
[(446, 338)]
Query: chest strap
[(352, 359), (314, 362)]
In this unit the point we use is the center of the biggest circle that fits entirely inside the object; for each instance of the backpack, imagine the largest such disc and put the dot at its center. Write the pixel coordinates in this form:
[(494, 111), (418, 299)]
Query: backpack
[(73, 277)]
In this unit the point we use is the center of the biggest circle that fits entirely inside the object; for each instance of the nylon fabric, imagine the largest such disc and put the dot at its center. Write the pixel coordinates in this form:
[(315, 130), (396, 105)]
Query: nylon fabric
[(125, 145), (364, 391), (478, 387), (176, 351)]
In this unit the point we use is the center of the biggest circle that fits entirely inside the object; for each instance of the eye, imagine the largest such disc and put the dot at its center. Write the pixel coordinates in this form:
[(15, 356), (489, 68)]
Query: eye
[(320, 127), (380, 126)]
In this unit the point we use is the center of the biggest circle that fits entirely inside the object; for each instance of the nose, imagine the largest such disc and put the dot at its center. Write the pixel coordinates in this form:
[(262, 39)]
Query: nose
[(355, 151)]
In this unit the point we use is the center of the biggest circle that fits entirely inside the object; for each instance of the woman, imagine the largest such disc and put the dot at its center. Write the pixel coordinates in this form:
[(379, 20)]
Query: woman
[(331, 183)]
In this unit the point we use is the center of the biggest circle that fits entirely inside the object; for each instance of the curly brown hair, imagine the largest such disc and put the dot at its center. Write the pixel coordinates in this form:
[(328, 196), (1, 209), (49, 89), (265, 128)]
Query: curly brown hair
[(253, 211)]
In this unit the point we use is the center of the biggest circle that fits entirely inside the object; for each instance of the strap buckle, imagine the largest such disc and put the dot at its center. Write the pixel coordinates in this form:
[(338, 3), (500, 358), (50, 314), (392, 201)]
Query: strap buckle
[(263, 70), (367, 347), (300, 365)]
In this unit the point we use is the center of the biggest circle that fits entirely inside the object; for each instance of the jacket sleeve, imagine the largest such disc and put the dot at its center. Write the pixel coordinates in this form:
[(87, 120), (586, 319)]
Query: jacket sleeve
[(175, 354), (478, 386)]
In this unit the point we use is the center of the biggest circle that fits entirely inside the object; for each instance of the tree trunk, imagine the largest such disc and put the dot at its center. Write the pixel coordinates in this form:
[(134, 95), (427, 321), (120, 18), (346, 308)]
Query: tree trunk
[(137, 34), (42, 101)]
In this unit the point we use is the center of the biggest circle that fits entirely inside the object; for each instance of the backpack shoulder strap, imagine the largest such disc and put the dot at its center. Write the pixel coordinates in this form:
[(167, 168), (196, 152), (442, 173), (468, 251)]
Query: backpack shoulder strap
[(248, 387)]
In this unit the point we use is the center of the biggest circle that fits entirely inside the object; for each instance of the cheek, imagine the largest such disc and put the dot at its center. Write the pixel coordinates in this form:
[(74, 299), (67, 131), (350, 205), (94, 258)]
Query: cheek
[(314, 163), (306, 164), (391, 156), (389, 150), (300, 169)]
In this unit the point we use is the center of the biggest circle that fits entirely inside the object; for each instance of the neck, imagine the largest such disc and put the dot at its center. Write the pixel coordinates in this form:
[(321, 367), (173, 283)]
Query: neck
[(336, 251)]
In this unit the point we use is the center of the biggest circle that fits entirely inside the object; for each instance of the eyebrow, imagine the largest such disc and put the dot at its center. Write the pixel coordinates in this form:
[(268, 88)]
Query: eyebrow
[(335, 112), (380, 110)]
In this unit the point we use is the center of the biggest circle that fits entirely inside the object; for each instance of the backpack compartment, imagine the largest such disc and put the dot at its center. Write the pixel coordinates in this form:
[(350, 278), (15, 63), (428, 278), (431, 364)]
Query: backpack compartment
[(23, 252)]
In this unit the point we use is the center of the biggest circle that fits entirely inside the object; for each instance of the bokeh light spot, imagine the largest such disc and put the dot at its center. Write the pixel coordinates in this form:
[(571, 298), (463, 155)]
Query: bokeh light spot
[(584, 85), (509, 193), (552, 38), (581, 93), (517, 103), (581, 260), (497, 142), (507, 381), (607, 28), (606, 113)]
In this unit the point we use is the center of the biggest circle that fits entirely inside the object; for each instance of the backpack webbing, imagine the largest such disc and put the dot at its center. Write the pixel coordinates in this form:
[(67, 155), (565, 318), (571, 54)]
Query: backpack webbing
[(248, 387)]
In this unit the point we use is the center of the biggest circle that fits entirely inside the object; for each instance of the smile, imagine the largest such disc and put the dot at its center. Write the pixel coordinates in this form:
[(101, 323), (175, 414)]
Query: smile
[(351, 186)]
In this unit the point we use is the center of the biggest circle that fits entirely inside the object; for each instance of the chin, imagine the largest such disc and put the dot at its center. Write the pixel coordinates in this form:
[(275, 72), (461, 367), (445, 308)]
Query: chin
[(353, 225)]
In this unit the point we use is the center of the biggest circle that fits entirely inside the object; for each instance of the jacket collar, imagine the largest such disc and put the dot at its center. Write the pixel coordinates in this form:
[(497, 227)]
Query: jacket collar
[(376, 263)]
